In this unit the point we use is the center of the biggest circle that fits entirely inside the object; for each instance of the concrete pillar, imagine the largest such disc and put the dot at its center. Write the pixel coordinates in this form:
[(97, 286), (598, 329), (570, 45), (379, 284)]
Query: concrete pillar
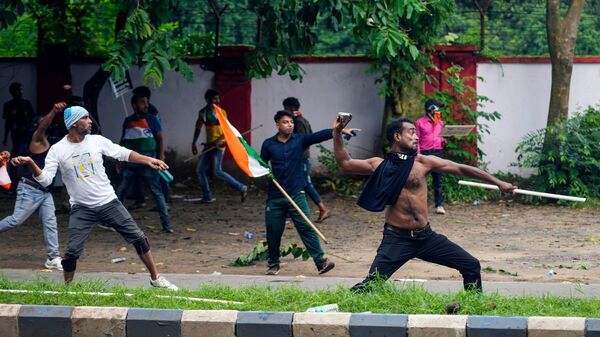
[(45, 320), (555, 326), (208, 323), (315, 324), (496, 326), (378, 325), (99, 321), (437, 326), (9, 319)]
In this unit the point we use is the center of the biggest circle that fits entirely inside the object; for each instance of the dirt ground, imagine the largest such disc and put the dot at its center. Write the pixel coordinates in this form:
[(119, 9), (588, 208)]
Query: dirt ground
[(525, 241)]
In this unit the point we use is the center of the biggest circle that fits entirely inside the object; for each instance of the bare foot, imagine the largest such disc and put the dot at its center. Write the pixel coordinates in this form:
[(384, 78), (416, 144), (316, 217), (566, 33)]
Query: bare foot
[(323, 214)]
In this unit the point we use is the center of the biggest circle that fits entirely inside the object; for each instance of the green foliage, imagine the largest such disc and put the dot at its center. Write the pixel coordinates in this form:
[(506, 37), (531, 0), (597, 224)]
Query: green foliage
[(10, 10), (519, 27), (400, 34), (572, 165), (337, 180), (196, 44), (19, 39), (140, 43), (462, 105), (261, 253)]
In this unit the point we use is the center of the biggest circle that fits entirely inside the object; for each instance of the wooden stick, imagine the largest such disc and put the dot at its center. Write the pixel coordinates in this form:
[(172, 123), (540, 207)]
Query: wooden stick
[(214, 147), (526, 192), (299, 210)]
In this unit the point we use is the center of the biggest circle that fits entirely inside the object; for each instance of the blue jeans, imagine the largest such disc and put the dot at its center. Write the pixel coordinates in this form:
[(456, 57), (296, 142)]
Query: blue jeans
[(152, 179), (310, 188), (29, 200), (215, 155)]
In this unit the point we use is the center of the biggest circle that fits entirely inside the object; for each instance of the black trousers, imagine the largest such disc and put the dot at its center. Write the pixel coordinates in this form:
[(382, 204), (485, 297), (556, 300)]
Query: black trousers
[(438, 196), (398, 246)]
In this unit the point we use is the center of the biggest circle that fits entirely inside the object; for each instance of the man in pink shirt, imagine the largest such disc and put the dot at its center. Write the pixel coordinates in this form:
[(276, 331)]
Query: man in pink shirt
[(429, 128)]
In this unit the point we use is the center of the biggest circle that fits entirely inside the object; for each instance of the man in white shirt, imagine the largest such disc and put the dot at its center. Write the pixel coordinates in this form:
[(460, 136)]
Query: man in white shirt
[(93, 200)]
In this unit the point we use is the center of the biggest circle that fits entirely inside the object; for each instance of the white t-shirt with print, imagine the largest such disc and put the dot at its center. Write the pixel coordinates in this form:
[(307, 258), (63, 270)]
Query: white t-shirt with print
[(82, 169)]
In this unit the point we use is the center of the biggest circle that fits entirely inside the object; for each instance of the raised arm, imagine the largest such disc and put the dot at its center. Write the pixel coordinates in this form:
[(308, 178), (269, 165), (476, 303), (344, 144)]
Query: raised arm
[(343, 159), (440, 165), (39, 140)]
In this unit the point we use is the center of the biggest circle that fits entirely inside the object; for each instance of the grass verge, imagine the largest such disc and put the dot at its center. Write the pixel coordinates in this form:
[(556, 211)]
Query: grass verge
[(384, 298)]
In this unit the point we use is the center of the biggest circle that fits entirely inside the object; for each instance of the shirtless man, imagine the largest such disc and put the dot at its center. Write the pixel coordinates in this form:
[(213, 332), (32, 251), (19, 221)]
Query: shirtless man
[(400, 182)]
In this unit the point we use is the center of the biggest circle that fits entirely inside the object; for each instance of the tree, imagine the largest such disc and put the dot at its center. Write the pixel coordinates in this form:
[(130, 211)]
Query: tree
[(562, 36), (482, 8)]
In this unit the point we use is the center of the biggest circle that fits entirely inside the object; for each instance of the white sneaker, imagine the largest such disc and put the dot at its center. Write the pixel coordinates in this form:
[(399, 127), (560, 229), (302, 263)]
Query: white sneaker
[(162, 282), (54, 264), (440, 210)]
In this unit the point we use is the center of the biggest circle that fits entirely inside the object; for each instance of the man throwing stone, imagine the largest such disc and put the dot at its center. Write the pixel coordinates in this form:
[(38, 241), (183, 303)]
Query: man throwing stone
[(93, 200), (399, 181)]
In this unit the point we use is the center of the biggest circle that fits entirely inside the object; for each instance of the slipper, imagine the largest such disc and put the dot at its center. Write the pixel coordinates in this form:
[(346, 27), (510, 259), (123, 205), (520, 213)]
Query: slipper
[(323, 218)]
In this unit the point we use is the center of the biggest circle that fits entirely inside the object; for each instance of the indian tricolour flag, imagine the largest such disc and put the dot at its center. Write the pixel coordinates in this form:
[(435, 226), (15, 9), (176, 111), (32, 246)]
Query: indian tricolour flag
[(4, 177), (243, 154)]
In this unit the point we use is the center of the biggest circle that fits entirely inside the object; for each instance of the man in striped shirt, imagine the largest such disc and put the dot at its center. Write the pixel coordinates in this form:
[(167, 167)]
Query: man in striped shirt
[(142, 133)]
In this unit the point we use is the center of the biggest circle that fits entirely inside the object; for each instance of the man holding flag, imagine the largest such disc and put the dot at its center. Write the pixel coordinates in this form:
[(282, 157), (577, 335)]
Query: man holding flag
[(285, 152)]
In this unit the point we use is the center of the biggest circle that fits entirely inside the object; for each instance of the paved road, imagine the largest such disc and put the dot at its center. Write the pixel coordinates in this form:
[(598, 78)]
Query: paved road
[(192, 281)]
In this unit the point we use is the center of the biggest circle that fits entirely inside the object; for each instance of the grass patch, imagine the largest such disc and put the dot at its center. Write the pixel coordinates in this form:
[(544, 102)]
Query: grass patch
[(384, 298)]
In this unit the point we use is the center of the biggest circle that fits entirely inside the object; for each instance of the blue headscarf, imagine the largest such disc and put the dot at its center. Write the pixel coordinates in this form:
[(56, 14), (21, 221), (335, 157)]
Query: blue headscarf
[(73, 114)]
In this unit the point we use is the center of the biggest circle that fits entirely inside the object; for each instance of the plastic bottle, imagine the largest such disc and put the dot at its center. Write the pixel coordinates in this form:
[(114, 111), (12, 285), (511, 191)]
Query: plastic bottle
[(249, 235), (166, 175), (324, 308), (117, 260), (477, 203)]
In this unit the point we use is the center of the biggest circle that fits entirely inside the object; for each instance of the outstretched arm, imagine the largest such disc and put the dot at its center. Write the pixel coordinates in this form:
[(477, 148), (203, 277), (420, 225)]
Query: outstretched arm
[(154, 163), (343, 159), (447, 166), (45, 176)]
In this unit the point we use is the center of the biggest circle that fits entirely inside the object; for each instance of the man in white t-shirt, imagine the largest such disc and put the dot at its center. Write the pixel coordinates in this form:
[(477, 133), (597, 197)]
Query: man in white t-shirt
[(93, 200)]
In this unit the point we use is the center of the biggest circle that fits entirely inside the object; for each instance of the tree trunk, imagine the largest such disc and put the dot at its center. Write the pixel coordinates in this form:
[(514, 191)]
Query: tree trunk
[(562, 36), (482, 13)]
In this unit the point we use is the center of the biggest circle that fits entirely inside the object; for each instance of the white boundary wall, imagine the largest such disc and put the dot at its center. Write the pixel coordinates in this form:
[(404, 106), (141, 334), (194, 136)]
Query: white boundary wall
[(326, 89), (521, 93)]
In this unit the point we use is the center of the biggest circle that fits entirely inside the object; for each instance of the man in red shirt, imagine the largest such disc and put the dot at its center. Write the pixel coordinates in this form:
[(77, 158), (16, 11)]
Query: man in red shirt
[(428, 130)]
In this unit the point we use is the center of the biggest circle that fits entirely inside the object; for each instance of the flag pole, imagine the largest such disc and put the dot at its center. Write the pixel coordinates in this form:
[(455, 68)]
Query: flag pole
[(299, 210), (214, 147)]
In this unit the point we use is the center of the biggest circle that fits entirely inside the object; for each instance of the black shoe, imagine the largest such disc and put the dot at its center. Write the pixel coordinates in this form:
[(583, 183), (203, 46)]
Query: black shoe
[(168, 230), (325, 266), (273, 270)]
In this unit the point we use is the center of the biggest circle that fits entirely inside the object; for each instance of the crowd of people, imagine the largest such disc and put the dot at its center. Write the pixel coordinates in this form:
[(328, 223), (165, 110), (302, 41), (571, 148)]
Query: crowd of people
[(397, 183)]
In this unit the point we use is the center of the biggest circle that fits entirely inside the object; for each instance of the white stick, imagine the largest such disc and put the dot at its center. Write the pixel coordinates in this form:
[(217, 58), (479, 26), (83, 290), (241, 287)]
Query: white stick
[(50, 292), (526, 192)]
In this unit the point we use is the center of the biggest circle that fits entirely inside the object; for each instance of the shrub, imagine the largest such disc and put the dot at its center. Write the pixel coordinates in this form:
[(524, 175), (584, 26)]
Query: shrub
[(572, 166)]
